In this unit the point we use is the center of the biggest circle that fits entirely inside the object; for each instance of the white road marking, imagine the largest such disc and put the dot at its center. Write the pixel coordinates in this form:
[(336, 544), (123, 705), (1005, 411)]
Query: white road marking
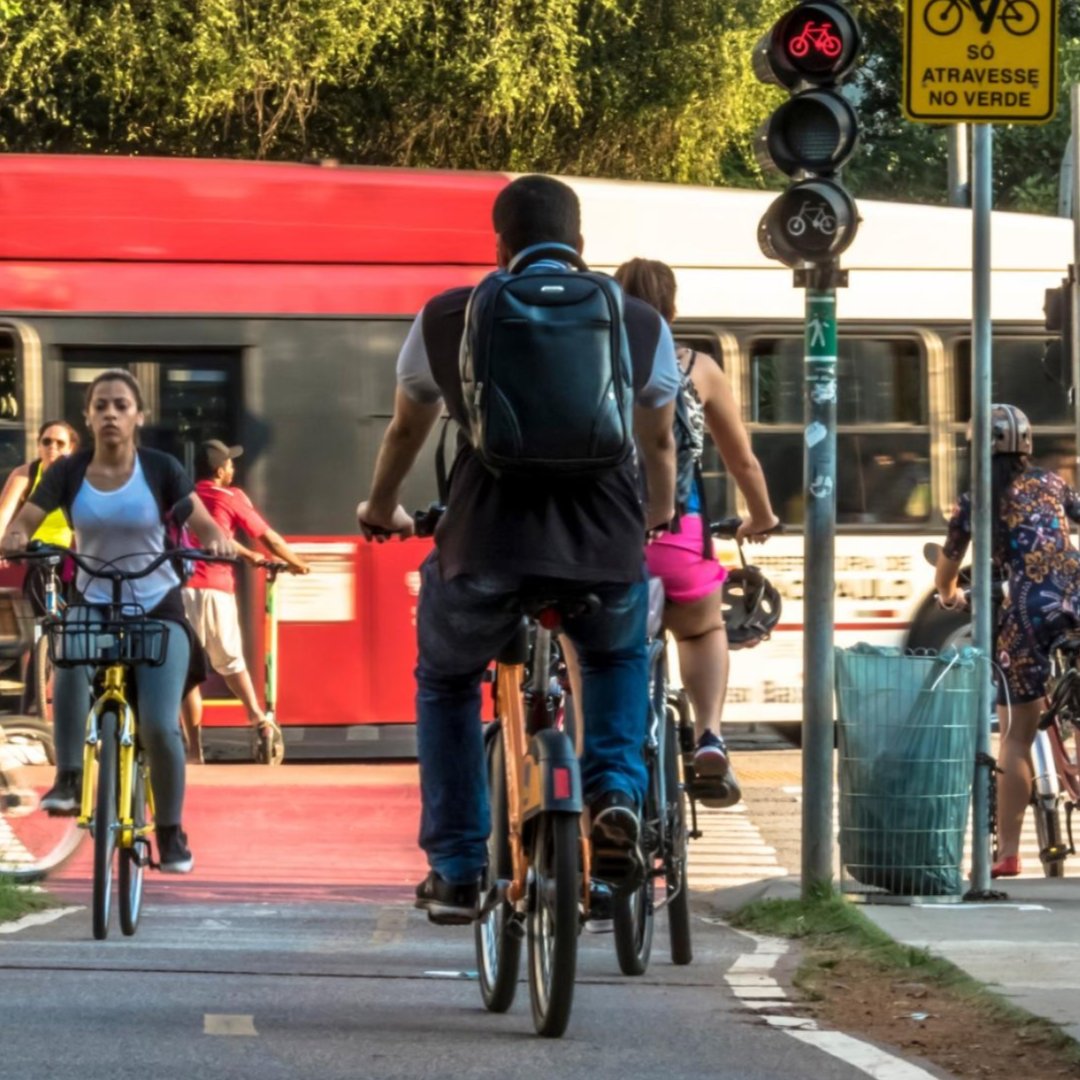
[(759, 991), (228, 1024), (38, 918), (731, 850)]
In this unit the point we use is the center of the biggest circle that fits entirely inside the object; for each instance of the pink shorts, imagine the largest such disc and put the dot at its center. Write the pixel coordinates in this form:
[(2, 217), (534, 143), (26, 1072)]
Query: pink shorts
[(677, 560)]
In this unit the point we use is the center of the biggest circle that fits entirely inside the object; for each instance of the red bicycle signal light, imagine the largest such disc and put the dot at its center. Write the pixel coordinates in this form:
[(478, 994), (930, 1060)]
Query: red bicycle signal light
[(815, 44)]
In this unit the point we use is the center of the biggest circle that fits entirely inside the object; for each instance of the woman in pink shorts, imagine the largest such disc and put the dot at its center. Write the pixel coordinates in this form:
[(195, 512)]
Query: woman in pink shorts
[(682, 559)]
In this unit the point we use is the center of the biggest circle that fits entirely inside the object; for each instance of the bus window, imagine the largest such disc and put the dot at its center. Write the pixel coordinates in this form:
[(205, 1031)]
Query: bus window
[(1018, 377), (883, 437), (13, 446), (190, 395)]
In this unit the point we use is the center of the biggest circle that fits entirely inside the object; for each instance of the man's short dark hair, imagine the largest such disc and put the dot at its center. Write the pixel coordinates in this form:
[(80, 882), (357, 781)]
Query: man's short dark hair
[(536, 210)]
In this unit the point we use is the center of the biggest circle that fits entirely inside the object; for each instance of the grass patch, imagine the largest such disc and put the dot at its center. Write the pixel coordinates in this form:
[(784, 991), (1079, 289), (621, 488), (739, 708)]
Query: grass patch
[(836, 937), (16, 902)]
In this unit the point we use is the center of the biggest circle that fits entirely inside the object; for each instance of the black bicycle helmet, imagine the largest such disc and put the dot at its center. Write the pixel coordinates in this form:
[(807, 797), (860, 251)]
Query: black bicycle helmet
[(751, 606)]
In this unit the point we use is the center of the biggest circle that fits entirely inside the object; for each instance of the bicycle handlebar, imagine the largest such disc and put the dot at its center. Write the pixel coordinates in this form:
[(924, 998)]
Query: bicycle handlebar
[(36, 550)]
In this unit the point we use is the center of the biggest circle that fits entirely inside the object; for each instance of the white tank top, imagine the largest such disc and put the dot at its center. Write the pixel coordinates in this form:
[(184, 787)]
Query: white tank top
[(123, 525)]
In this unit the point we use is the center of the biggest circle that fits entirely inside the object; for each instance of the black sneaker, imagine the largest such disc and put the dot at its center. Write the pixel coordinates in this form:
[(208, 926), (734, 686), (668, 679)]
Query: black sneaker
[(714, 783), (64, 797), (448, 904), (174, 856), (601, 918), (615, 832)]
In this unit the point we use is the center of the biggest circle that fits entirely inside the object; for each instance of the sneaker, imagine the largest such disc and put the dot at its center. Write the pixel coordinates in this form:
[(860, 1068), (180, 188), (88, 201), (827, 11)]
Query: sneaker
[(714, 783), (64, 797), (601, 918), (267, 743), (174, 856), (615, 832), (448, 904)]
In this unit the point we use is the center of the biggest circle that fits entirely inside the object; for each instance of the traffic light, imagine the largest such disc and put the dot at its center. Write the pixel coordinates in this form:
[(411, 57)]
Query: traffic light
[(810, 51), (1057, 355)]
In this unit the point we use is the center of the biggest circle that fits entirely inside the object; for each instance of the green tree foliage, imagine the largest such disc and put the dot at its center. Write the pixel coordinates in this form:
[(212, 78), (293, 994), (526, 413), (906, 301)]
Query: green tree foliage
[(637, 89)]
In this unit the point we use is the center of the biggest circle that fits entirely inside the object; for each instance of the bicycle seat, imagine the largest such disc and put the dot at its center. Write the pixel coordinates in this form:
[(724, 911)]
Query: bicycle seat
[(547, 605)]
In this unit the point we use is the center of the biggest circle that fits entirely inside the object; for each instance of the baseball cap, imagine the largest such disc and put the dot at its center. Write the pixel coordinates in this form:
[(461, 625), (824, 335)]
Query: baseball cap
[(216, 453)]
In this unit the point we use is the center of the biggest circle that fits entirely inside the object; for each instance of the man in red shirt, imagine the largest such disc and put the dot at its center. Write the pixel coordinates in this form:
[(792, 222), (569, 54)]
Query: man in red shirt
[(210, 593)]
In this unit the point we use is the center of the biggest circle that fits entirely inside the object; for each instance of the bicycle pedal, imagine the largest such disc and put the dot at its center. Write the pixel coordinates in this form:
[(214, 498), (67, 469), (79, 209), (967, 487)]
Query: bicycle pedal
[(515, 928), (496, 895)]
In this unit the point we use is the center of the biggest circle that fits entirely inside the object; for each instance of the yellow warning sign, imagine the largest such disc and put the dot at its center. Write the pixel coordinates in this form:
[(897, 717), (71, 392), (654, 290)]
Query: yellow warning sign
[(980, 61)]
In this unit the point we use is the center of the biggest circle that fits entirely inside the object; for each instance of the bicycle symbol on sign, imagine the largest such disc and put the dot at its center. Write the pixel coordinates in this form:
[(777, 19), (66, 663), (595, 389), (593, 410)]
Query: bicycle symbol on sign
[(945, 17), (816, 216), (818, 36)]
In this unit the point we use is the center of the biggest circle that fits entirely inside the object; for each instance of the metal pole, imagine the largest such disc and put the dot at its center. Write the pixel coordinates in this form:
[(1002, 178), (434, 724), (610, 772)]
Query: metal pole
[(980, 490), (1073, 345), (959, 165), (820, 532)]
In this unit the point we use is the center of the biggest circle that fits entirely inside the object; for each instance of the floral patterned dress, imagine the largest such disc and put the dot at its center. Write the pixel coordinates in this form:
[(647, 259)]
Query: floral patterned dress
[(1032, 544)]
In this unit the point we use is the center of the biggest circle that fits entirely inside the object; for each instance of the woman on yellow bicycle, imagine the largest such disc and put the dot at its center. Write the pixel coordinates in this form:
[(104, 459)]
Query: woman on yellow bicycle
[(118, 499), (56, 439)]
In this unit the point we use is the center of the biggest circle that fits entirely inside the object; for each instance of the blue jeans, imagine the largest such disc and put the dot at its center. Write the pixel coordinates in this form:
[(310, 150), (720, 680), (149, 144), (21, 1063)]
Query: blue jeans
[(461, 625)]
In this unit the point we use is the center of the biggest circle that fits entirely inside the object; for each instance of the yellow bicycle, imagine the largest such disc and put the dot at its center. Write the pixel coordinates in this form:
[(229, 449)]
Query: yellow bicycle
[(117, 804)]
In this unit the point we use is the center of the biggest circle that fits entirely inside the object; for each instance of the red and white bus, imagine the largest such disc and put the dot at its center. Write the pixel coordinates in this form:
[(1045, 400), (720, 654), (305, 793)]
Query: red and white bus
[(264, 304)]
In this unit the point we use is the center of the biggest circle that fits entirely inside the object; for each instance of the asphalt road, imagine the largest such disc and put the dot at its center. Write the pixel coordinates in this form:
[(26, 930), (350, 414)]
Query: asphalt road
[(293, 951)]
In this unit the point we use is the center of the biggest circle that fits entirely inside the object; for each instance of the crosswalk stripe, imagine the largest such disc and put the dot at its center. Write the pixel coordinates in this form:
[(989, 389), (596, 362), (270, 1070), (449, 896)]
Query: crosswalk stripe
[(731, 851)]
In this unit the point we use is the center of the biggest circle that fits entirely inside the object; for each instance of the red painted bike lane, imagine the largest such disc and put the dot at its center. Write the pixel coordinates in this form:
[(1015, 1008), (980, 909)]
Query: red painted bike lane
[(318, 832)]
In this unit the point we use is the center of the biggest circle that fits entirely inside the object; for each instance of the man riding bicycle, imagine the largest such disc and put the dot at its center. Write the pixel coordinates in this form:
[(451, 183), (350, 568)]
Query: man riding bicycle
[(498, 535)]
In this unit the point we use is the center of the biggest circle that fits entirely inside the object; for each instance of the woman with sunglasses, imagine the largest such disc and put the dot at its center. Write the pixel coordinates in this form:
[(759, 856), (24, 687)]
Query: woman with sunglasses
[(56, 439)]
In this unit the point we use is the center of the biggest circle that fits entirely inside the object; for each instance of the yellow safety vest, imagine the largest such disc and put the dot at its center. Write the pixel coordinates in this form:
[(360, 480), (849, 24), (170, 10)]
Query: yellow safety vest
[(54, 529)]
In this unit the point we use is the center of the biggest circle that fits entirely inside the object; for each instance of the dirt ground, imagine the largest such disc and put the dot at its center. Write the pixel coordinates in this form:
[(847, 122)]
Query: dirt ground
[(960, 1034)]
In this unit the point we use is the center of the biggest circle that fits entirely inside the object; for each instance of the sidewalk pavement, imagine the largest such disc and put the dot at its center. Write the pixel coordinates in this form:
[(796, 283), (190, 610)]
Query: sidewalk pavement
[(1026, 948)]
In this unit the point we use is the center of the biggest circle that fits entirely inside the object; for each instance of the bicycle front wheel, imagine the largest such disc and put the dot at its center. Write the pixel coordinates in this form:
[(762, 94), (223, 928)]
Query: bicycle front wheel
[(32, 843), (43, 679), (105, 823), (498, 939), (1052, 849), (133, 859), (553, 922), (634, 919)]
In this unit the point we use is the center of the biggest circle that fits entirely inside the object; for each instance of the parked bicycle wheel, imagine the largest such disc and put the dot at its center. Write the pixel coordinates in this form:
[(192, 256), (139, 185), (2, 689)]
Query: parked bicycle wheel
[(553, 921), (32, 842), (676, 870), (105, 824), (133, 859), (498, 941)]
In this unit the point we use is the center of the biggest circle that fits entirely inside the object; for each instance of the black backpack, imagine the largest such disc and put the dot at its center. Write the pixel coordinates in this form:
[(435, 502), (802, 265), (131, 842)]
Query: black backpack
[(546, 373)]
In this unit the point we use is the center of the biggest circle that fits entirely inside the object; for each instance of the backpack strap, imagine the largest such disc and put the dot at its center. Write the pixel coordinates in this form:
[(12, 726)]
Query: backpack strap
[(536, 252), (32, 475), (442, 477), (693, 360)]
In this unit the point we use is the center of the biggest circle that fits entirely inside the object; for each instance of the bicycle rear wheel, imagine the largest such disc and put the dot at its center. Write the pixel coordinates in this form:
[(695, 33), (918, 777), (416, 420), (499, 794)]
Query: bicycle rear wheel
[(105, 823), (553, 921), (498, 940), (32, 842), (678, 836), (133, 859)]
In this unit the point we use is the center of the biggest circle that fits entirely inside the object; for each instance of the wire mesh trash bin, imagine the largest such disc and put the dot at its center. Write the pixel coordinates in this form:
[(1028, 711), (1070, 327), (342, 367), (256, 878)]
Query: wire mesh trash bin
[(906, 764)]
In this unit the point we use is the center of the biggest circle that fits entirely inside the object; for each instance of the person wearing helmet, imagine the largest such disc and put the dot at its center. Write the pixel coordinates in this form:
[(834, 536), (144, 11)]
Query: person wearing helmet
[(1030, 510), (694, 582)]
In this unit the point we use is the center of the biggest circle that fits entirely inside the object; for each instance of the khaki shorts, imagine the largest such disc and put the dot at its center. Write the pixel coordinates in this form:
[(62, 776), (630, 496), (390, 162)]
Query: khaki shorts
[(214, 618)]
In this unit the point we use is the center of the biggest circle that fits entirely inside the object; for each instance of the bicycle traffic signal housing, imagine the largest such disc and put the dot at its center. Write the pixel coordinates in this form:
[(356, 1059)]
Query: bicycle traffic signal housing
[(809, 51)]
